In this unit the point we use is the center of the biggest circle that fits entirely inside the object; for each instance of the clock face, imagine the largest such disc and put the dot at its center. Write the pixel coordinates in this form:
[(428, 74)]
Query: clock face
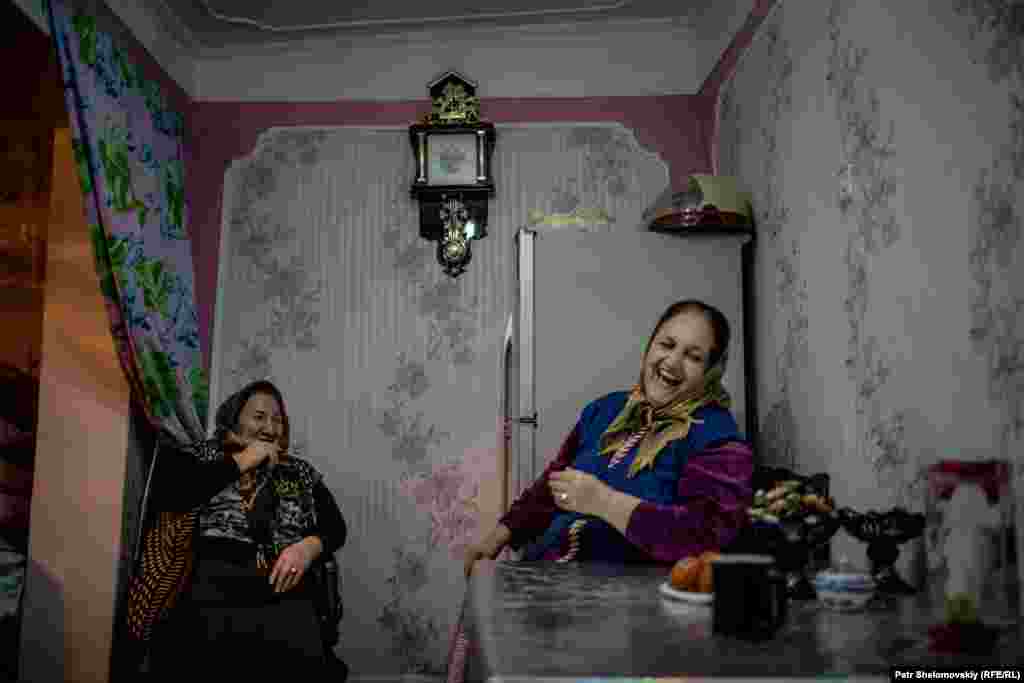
[(451, 159)]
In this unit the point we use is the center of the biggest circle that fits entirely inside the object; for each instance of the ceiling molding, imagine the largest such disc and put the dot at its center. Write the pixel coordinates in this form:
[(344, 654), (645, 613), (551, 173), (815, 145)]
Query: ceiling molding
[(610, 58), (529, 15), (172, 24), (589, 56), (632, 62), (431, 38), (255, 23)]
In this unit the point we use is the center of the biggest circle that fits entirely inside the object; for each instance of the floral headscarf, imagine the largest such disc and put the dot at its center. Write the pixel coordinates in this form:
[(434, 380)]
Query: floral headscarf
[(668, 423)]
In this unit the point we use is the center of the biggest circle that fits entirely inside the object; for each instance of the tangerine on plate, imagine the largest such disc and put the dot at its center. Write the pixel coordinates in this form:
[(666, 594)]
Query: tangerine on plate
[(685, 574)]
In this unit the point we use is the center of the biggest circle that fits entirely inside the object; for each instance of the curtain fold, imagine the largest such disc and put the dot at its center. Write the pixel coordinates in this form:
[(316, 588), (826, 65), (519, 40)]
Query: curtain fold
[(128, 146)]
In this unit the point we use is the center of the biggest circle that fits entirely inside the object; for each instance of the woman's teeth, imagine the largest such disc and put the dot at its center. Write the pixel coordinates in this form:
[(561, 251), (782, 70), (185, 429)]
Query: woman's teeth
[(668, 380)]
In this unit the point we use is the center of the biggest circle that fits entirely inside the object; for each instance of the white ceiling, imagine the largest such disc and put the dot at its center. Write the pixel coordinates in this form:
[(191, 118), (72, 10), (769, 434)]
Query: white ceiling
[(216, 23), (316, 50)]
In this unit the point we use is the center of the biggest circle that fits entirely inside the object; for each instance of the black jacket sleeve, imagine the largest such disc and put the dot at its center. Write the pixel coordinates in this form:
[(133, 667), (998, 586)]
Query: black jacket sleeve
[(181, 481), (331, 527)]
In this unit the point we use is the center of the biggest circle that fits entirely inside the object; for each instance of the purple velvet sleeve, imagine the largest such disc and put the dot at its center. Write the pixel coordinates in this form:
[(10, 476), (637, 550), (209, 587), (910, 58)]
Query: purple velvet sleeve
[(714, 495), (531, 513)]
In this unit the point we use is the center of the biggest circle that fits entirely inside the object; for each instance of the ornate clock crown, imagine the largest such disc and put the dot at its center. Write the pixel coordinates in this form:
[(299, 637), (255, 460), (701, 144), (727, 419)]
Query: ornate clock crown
[(454, 101)]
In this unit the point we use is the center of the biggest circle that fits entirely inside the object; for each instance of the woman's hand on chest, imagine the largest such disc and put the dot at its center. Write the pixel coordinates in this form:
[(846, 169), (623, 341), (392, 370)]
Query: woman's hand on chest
[(584, 493), (293, 563), (578, 491)]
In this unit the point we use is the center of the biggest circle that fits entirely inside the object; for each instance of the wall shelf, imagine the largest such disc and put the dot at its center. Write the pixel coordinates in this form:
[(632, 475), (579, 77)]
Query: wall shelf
[(713, 230), (748, 285)]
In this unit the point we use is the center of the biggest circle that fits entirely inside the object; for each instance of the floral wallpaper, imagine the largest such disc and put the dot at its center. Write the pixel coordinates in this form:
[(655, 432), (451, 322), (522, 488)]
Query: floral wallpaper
[(861, 161), (997, 28), (412, 631), (388, 366), (772, 215), (865, 186)]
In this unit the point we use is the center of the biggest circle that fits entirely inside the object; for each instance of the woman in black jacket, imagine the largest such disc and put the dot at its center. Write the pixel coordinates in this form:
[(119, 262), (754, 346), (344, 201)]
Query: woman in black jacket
[(265, 516)]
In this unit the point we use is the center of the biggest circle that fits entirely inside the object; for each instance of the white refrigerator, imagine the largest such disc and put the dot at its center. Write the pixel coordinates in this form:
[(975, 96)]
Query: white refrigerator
[(585, 303)]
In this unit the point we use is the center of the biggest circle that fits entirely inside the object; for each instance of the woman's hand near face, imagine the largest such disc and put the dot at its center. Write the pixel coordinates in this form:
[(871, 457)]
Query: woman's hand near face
[(254, 453), (293, 562), (233, 442)]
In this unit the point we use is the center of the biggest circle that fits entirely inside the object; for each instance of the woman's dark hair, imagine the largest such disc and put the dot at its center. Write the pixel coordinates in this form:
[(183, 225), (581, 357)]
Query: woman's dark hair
[(719, 326), (231, 409)]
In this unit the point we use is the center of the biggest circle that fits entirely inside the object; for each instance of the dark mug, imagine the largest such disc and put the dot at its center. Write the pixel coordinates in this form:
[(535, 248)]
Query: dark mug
[(750, 596)]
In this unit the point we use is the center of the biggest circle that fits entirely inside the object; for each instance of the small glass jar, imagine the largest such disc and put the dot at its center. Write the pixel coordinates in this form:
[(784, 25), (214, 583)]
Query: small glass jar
[(969, 541)]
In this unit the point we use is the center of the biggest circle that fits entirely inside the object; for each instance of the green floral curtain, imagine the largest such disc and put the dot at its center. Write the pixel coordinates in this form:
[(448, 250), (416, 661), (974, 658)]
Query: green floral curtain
[(128, 146)]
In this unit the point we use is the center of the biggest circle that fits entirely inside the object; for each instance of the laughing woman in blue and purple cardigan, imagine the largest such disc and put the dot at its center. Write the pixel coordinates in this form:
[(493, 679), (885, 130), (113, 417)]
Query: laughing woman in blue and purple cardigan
[(649, 475)]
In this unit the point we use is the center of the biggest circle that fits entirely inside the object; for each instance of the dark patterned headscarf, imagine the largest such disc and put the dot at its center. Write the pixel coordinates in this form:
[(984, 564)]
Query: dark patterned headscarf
[(231, 409)]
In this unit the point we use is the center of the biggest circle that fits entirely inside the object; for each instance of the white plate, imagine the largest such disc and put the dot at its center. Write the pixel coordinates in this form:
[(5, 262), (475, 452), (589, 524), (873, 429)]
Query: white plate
[(667, 590)]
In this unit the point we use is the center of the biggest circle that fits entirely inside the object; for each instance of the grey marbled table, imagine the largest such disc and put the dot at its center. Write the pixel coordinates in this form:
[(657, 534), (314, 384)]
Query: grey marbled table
[(562, 621)]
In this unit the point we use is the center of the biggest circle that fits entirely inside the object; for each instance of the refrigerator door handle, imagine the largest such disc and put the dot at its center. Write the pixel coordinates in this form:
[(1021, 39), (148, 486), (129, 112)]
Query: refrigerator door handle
[(526, 456), (505, 463)]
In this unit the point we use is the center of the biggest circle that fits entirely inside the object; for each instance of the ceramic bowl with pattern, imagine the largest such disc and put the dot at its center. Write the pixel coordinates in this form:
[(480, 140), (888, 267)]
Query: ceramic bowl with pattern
[(846, 591)]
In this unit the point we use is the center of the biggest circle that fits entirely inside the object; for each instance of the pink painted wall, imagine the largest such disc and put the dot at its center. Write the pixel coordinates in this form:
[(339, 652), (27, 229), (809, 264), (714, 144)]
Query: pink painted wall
[(725, 68), (677, 127)]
